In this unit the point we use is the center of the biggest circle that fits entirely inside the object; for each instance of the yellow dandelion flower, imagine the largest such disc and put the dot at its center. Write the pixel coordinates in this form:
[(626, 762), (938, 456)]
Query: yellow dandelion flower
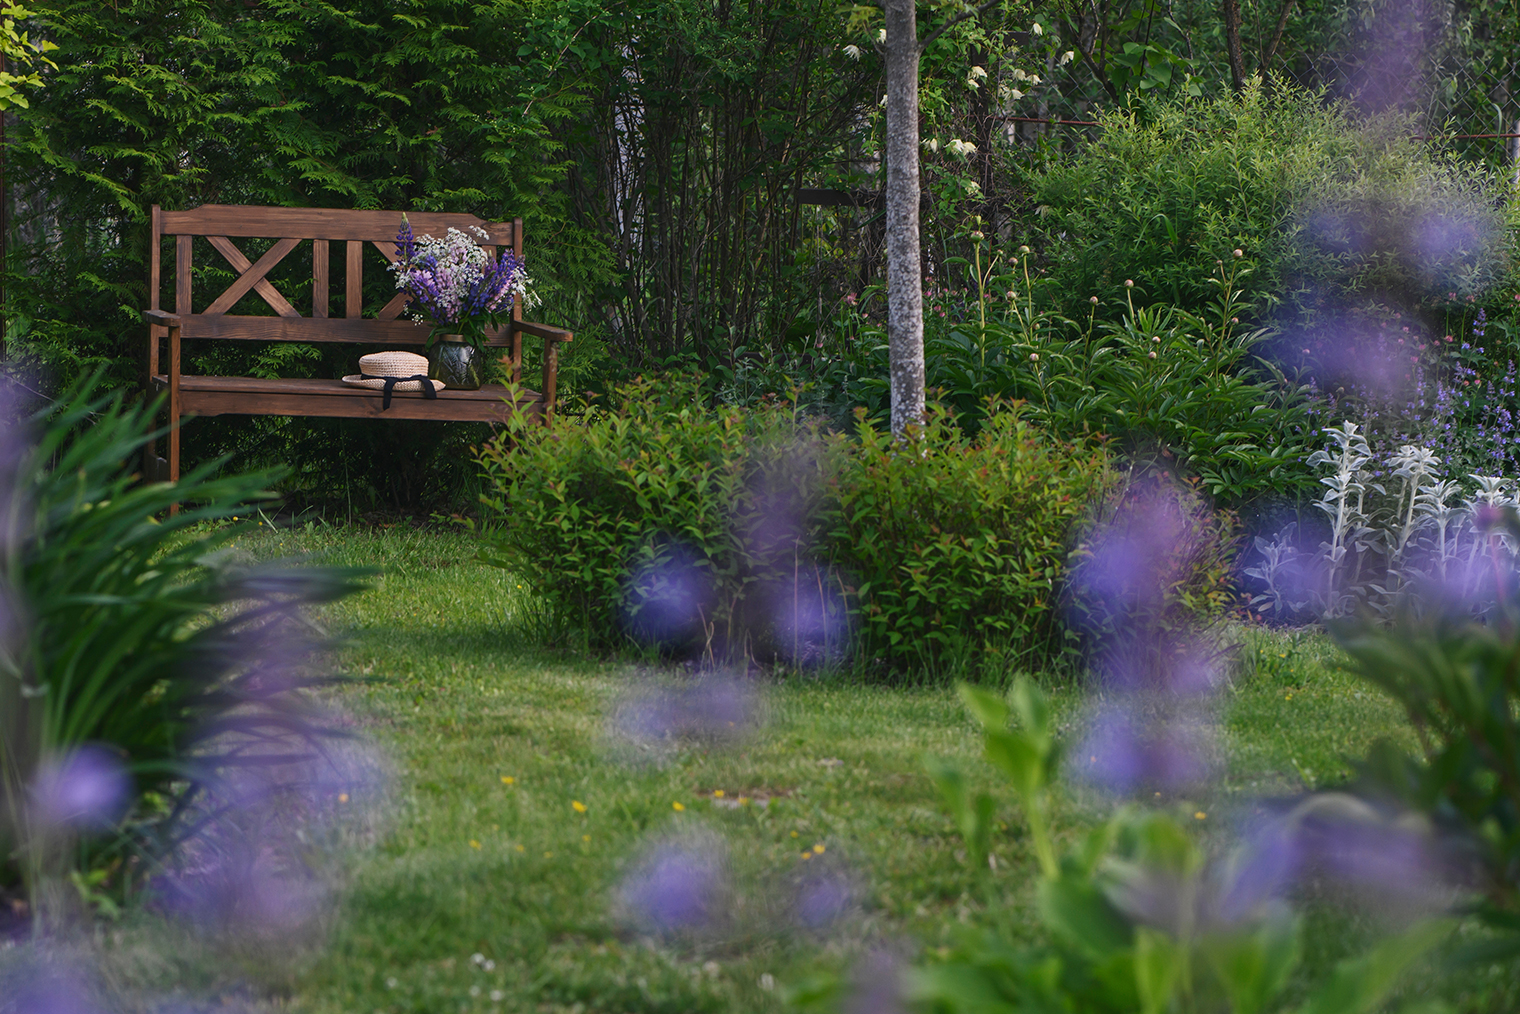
[(577, 806), (342, 797), (508, 780), (474, 844), (548, 855), (794, 834), (807, 855), (1200, 815), (818, 849), (522, 848), (677, 807), (585, 837), (717, 793)]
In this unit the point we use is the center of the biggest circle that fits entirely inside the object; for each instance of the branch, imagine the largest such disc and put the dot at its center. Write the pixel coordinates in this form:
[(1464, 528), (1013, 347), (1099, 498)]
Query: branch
[(923, 43), (1282, 22)]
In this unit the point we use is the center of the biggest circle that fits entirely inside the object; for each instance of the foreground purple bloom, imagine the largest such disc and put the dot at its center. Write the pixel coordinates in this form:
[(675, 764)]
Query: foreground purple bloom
[(678, 887), (715, 708), (86, 789)]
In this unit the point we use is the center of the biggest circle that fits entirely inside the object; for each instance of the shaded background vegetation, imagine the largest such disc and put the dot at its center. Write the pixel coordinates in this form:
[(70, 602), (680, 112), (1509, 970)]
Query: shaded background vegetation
[(660, 153)]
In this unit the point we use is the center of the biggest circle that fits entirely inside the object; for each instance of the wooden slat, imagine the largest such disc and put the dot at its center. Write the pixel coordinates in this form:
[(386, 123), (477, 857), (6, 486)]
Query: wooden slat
[(392, 310), (260, 284), (155, 276), (182, 275), (319, 278), (312, 329), (353, 281), (321, 223), (334, 399)]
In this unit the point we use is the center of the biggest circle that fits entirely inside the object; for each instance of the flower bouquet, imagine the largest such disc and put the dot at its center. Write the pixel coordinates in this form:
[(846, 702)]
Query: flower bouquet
[(463, 291)]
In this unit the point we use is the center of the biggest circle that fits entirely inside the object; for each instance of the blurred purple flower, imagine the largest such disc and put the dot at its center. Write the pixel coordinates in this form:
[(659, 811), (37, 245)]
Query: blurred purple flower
[(712, 707), (1125, 751), (46, 987), (86, 789), (678, 887), (669, 601), (877, 986), (823, 897), (1343, 841), (810, 620)]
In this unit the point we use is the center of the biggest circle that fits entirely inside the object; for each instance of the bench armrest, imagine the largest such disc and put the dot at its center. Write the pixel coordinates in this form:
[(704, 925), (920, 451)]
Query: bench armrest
[(557, 334), (163, 318)]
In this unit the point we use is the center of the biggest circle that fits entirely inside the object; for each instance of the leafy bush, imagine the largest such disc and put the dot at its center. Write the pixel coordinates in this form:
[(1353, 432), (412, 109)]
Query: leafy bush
[(1331, 208), (714, 530), (1161, 382), (131, 632), (660, 518), (957, 545)]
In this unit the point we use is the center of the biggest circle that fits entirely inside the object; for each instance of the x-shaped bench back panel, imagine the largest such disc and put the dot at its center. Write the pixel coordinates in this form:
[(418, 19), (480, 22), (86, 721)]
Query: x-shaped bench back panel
[(290, 227)]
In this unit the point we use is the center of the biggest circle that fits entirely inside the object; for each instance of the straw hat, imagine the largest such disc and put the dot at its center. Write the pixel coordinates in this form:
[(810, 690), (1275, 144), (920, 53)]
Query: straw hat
[(394, 371)]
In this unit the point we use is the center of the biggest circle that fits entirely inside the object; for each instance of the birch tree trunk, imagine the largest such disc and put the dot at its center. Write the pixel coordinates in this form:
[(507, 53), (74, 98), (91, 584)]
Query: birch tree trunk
[(905, 287)]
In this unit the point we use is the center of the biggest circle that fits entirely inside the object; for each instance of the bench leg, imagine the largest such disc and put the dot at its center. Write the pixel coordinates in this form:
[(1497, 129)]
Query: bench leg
[(175, 410)]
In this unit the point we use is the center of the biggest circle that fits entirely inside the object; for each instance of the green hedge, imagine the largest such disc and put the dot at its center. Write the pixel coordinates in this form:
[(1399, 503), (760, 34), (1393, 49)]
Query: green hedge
[(752, 532)]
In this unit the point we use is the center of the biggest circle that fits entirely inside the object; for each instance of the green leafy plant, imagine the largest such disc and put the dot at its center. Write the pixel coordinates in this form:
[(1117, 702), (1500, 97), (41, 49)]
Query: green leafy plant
[(1455, 678), (1136, 916), (955, 546), (133, 629), (1160, 382), (953, 553), (1332, 207), (661, 497)]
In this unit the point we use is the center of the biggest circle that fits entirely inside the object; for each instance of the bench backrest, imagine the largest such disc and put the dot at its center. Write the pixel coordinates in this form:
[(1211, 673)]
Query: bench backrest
[(289, 228)]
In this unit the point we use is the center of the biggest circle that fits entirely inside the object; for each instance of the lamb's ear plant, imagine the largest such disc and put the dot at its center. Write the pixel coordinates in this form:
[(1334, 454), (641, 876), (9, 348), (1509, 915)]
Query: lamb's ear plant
[(134, 631)]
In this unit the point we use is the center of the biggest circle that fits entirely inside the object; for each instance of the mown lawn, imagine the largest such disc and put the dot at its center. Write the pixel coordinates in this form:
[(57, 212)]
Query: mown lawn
[(489, 878)]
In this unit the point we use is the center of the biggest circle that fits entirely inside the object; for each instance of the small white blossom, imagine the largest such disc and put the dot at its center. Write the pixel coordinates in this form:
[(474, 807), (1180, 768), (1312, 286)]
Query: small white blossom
[(973, 187), (1014, 94), (1066, 58), (956, 146), (1036, 29), (881, 36), (853, 52), (932, 144), (1034, 79), (1018, 75), (977, 72)]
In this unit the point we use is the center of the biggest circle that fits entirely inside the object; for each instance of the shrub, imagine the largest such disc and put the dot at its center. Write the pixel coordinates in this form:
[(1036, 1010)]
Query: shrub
[(1332, 208), (716, 531), (659, 519), (143, 647), (955, 545), (1160, 381)]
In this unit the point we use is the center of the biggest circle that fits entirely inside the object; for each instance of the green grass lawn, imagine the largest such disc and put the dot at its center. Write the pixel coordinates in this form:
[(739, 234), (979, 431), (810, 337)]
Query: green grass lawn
[(489, 877)]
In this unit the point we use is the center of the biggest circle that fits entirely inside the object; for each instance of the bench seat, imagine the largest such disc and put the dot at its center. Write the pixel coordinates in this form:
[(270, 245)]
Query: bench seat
[(333, 399)]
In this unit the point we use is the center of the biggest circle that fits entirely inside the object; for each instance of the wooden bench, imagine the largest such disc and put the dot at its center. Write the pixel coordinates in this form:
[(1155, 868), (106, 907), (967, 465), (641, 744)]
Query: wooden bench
[(289, 228)]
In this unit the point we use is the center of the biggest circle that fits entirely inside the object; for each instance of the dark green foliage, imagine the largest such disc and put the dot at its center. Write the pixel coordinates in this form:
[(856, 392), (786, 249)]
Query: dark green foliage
[(1330, 208), (1164, 384), (353, 104), (139, 630), (949, 553), (956, 545)]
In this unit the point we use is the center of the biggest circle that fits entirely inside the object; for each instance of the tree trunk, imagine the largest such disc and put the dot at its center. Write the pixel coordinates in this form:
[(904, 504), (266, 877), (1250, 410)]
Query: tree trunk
[(905, 286), (1232, 43)]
